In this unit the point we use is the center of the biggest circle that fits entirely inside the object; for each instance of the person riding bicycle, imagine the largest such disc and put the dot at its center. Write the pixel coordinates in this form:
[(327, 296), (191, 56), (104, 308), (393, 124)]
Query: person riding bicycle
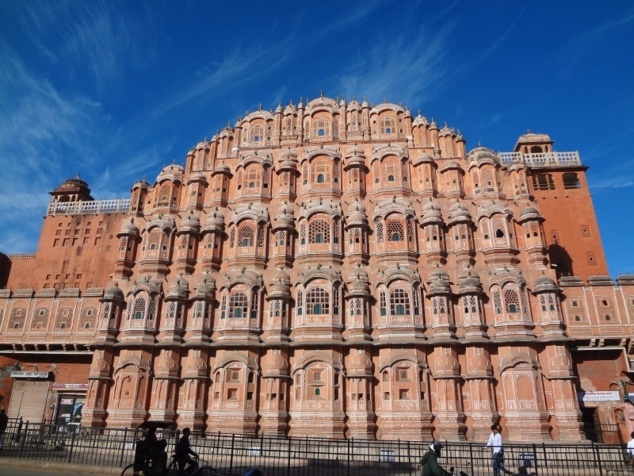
[(183, 450), (429, 462)]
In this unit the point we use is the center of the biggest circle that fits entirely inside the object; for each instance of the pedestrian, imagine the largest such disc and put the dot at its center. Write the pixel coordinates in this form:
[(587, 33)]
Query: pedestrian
[(495, 443), (630, 449), (4, 421), (429, 462)]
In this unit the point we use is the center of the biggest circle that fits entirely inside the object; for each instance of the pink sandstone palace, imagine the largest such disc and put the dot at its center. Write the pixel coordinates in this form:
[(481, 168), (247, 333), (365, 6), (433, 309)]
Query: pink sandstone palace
[(334, 269)]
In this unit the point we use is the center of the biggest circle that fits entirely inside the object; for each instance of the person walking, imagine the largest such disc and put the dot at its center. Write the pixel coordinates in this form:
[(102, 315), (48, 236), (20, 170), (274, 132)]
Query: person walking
[(495, 443), (429, 462), (4, 421)]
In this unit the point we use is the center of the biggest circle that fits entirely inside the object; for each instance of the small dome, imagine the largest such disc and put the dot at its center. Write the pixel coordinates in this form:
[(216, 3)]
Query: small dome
[(142, 184), (529, 213), (451, 165), (215, 222), (544, 283), (280, 284), (197, 177), (179, 289), (458, 213), (439, 282), (172, 172), (129, 228), (285, 217), (191, 224), (114, 294), (356, 214), (481, 155), (470, 283), (358, 282), (423, 158), (431, 213), (205, 287), (420, 121), (221, 169)]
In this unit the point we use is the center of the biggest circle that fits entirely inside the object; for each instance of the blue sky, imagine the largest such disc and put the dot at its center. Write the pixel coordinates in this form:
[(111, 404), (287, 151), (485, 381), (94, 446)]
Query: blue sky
[(117, 89)]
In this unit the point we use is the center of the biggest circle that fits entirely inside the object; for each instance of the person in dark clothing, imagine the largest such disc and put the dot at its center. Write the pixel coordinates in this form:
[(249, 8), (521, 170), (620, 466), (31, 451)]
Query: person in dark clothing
[(183, 450), (429, 462), (4, 421), (154, 450)]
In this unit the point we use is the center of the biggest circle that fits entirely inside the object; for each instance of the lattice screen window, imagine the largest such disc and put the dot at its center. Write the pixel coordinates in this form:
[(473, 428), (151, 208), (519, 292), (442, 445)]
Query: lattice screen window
[(302, 233), (238, 305), (245, 236), (317, 301), (497, 302), (394, 231), (198, 309), (379, 232), (232, 238), (138, 311), (319, 232), (399, 302), (151, 313), (410, 231), (260, 236), (511, 300)]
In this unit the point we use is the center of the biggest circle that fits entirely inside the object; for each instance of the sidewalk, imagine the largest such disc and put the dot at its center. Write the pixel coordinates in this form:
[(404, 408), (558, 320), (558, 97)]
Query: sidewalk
[(65, 468)]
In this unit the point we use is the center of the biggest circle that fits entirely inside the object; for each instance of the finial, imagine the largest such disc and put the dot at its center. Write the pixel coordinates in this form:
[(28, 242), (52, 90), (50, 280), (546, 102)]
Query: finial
[(321, 94)]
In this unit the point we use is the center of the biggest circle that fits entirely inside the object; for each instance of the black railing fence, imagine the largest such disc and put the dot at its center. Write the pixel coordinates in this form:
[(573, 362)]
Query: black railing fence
[(231, 454)]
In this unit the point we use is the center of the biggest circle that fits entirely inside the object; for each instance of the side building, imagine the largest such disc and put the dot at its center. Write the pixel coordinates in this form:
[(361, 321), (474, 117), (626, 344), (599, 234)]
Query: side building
[(332, 269)]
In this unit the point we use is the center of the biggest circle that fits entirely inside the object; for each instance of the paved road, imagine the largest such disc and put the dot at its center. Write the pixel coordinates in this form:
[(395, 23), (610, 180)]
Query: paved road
[(9, 471)]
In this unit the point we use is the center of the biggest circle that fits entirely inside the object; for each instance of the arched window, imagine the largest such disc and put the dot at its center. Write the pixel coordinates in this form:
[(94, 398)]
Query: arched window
[(512, 301), (399, 302), (138, 311), (245, 236), (395, 231), (319, 232), (238, 304), (317, 301)]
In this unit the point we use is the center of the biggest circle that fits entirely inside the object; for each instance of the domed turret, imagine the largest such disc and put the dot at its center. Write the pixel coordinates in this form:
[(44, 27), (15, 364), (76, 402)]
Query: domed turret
[(545, 284), (280, 286), (72, 190), (172, 172), (191, 224), (215, 222), (458, 213), (439, 282), (274, 364), (469, 283), (114, 294), (360, 365), (128, 228), (356, 214), (179, 289), (431, 213), (205, 287)]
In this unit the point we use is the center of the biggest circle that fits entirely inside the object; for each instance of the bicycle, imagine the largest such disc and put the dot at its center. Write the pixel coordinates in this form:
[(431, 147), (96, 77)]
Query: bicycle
[(144, 467)]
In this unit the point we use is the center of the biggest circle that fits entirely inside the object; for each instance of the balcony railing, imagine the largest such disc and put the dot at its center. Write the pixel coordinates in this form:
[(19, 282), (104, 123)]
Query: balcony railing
[(94, 207), (542, 159)]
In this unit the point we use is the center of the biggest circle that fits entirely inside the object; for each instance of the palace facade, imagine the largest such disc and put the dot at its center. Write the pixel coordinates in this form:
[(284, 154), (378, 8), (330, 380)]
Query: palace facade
[(334, 269)]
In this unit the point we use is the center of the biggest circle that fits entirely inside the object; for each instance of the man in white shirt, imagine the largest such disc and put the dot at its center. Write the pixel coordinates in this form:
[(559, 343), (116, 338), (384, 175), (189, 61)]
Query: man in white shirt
[(495, 442)]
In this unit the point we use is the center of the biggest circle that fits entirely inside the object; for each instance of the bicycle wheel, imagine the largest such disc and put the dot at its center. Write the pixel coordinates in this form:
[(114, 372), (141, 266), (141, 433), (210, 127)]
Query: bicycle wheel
[(129, 471), (206, 471)]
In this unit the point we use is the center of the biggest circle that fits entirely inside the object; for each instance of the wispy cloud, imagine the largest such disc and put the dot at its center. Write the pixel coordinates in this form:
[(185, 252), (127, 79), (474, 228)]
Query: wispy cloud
[(411, 65)]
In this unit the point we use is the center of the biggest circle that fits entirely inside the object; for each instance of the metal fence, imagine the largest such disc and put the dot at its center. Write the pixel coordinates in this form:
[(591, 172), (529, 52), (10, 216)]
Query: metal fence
[(231, 455)]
